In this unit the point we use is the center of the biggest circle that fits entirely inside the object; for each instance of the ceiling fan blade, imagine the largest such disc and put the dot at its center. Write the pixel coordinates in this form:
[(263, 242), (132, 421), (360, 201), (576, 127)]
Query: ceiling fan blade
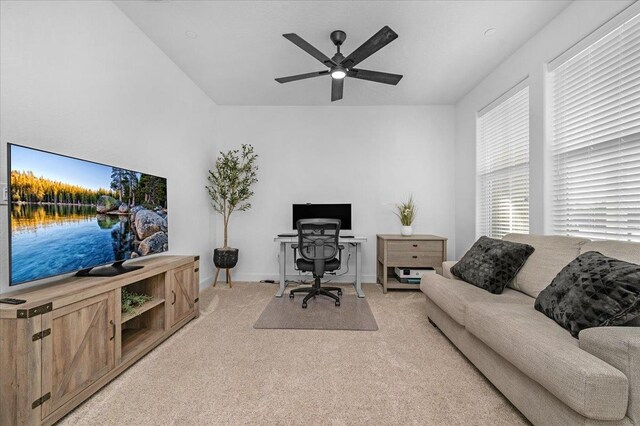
[(377, 76), (301, 76), (337, 84), (302, 44), (379, 40)]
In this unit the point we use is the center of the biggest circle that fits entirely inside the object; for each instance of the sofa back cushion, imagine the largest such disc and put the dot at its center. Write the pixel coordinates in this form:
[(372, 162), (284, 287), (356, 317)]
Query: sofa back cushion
[(623, 250), (552, 253)]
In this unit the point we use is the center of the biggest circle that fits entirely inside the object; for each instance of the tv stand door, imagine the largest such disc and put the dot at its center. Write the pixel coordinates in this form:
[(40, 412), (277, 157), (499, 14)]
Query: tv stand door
[(183, 291), (79, 350)]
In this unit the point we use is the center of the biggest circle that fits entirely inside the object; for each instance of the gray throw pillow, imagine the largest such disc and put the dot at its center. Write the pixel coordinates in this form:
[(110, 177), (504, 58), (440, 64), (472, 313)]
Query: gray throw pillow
[(592, 291), (492, 264)]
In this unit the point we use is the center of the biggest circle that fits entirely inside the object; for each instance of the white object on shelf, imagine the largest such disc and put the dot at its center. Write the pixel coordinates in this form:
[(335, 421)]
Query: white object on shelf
[(413, 272)]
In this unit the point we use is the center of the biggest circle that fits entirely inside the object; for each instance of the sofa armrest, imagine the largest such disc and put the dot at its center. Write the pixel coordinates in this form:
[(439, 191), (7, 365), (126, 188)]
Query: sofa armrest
[(446, 269), (620, 348)]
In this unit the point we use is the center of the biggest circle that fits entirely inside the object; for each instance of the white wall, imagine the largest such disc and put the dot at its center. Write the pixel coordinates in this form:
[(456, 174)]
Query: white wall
[(569, 27), (79, 78), (371, 157)]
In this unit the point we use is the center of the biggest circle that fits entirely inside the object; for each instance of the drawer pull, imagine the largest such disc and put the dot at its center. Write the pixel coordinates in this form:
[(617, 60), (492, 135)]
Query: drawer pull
[(415, 257), (415, 245)]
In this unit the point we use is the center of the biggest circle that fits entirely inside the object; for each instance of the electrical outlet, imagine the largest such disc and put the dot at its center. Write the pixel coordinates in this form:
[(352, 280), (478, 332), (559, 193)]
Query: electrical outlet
[(4, 194)]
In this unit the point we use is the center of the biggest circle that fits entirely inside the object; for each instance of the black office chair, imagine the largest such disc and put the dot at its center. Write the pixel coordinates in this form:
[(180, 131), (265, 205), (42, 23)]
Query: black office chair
[(318, 246)]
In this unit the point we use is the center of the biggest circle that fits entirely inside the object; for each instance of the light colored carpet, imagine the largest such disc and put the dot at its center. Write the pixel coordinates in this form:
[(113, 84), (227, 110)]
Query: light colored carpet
[(220, 370), (321, 314)]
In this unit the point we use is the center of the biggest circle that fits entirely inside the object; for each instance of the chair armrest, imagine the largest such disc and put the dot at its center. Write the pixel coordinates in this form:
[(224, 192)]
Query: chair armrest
[(620, 348), (446, 270)]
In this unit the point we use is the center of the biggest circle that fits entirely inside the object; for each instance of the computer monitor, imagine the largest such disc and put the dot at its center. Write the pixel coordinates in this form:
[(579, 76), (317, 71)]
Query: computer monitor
[(324, 211)]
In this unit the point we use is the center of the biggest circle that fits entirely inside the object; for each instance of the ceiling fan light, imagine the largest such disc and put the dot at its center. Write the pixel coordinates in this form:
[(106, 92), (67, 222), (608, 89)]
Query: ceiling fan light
[(338, 73)]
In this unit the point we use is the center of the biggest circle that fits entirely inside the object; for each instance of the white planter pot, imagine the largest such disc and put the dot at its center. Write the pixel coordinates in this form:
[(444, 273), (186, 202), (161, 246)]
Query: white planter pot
[(407, 231)]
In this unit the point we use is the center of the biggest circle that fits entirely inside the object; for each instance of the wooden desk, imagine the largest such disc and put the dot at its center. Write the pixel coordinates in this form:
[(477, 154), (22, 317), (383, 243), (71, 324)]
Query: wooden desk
[(416, 251)]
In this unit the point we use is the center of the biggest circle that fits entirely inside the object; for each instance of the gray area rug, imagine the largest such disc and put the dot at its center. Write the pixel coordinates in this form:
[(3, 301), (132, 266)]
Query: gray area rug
[(321, 314)]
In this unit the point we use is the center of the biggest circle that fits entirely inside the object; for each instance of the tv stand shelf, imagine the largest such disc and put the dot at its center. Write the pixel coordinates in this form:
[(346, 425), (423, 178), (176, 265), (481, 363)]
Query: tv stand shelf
[(140, 310), (47, 338), (133, 340)]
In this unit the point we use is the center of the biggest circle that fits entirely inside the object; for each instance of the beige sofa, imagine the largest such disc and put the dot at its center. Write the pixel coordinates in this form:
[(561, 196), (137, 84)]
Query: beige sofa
[(551, 377)]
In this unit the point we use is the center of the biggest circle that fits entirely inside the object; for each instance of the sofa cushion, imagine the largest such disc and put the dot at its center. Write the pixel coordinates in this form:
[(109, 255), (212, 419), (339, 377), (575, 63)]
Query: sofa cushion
[(550, 356), (623, 250), (593, 290), (551, 255), (453, 296), (492, 264)]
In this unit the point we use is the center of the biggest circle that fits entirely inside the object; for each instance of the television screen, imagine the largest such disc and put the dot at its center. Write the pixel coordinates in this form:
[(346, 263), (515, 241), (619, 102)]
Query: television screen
[(324, 211), (68, 215)]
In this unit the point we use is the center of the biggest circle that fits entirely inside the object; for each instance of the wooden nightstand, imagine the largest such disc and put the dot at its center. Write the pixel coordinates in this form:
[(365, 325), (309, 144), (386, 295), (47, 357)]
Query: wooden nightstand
[(416, 251)]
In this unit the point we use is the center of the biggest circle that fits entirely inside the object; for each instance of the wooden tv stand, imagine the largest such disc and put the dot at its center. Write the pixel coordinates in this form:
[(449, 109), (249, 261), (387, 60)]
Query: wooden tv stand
[(71, 338)]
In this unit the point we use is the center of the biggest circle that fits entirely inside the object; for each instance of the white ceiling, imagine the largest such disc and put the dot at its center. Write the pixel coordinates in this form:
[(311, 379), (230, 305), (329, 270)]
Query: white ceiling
[(239, 49)]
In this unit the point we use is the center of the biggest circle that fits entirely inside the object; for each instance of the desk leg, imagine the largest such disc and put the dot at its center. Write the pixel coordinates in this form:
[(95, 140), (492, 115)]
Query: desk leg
[(283, 270), (359, 291)]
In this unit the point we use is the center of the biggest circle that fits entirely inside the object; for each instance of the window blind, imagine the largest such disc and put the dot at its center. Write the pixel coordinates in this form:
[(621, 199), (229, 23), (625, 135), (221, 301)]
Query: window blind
[(596, 138), (503, 165)]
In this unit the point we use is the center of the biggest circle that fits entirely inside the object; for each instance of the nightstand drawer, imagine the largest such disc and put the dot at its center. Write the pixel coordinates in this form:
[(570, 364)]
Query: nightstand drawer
[(418, 258), (414, 246)]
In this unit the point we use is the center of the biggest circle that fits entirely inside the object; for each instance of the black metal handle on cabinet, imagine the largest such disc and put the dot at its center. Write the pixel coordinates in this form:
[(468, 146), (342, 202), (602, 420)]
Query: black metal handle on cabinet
[(415, 245), (174, 297), (113, 325), (415, 257)]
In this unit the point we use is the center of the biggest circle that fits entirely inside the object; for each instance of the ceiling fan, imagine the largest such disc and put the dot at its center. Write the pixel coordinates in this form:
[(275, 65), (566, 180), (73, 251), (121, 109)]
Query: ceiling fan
[(341, 67)]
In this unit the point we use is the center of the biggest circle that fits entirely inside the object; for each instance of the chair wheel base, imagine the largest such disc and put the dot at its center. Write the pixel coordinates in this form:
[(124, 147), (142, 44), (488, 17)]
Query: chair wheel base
[(316, 290)]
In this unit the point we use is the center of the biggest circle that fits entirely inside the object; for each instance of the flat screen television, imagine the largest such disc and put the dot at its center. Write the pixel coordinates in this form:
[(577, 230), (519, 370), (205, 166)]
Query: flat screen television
[(324, 211), (71, 215)]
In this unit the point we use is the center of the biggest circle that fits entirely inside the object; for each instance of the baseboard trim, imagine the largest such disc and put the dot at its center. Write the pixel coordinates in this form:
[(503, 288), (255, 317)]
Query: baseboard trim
[(255, 277)]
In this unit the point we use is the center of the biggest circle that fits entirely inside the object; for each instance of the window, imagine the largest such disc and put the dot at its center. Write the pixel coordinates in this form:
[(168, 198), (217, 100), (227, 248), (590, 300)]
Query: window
[(503, 165), (596, 135)]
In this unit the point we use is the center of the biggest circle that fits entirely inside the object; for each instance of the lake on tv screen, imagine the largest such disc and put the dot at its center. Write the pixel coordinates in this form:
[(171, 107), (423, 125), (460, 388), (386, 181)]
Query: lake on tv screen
[(69, 214)]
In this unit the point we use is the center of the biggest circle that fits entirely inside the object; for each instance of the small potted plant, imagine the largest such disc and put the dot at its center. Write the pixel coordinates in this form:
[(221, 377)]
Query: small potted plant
[(406, 212), (230, 189)]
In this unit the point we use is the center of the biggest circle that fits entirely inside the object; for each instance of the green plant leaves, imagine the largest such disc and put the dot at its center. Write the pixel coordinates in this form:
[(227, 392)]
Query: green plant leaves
[(406, 212), (131, 300), (231, 178)]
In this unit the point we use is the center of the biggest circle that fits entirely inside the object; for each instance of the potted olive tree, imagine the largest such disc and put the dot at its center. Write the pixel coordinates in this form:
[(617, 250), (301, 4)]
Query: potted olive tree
[(230, 189)]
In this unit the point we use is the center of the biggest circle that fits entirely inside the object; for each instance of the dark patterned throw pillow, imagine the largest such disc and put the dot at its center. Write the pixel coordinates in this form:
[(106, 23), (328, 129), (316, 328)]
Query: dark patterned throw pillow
[(592, 291), (492, 264)]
